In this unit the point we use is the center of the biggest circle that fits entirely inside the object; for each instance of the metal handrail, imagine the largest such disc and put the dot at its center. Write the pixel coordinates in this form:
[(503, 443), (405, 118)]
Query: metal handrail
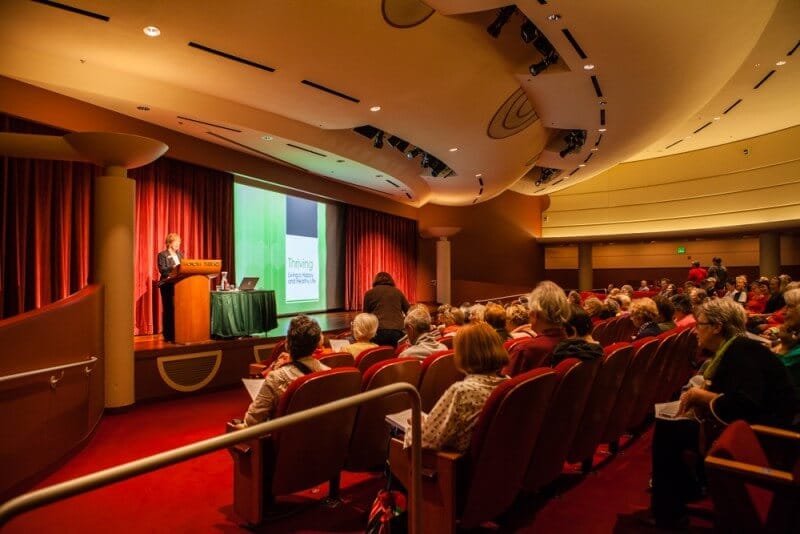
[(45, 370), (98, 479), (495, 299)]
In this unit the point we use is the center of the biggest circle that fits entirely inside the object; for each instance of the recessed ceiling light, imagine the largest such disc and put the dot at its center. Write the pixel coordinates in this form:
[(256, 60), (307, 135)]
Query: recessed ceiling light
[(688, 137), (588, 66), (601, 129), (478, 175), (582, 165), (143, 108), (780, 63), (716, 118), (554, 17), (339, 161), (151, 31), (378, 176), (375, 108), (454, 149), (757, 65), (595, 149), (267, 138)]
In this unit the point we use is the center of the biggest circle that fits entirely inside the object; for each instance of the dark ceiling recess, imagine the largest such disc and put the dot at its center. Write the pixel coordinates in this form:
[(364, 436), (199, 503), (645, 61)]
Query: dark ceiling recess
[(793, 49), (602, 117), (428, 161), (307, 150), (673, 144), (706, 125), (764, 79), (394, 184), (366, 130), (232, 57), (732, 106), (330, 91), (588, 157), (75, 10), (599, 138), (574, 43), (576, 169), (596, 85), (183, 118), (409, 195)]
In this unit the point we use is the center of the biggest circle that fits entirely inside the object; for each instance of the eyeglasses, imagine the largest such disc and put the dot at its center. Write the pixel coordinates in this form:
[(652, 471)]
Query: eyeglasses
[(698, 323)]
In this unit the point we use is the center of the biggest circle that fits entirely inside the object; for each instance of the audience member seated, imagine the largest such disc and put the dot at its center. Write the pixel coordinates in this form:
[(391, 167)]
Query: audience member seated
[(683, 315), (666, 312), (593, 307), (643, 286), (710, 286), (757, 298), (579, 343), (364, 327), (624, 302), (627, 289), (788, 347), (478, 353), (476, 312), (549, 311), (740, 290), (776, 300), (743, 380), (302, 340), (574, 298), (644, 315), (698, 297), (610, 308), (519, 322), (423, 342), (663, 286), (453, 319), (495, 316)]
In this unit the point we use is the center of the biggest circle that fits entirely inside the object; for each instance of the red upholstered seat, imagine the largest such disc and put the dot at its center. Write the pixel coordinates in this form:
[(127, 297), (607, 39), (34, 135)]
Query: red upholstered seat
[(509, 343), (754, 479), (369, 357), (401, 347), (683, 351), (630, 391), (560, 422), (301, 456), (481, 484), (337, 359), (601, 400), (369, 442), (602, 331), (653, 376), (447, 341), (437, 374)]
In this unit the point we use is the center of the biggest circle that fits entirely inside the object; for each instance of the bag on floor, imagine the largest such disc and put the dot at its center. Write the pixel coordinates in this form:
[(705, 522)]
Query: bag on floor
[(389, 513)]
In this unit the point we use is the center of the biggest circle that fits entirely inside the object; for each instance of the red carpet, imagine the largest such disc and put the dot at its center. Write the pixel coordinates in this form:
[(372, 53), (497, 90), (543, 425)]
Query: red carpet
[(196, 496)]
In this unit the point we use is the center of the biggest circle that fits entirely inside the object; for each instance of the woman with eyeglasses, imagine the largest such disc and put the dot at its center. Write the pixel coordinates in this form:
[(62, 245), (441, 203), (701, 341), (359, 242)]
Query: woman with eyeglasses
[(743, 380)]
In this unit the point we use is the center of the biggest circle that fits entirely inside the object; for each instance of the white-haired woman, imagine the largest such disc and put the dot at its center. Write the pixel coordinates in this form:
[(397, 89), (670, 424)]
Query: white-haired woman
[(364, 327)]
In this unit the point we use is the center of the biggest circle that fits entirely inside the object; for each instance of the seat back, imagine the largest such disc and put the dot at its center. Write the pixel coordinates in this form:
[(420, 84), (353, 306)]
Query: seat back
[(313, 452), (279, 347), (447, 341), (738, 507), (674, 364), (630, 389), (652, 381), (502, 442), (601, 331), (438, 372), (368, 358), (560, 422), (601, 400), (370, 438), (338, 359)]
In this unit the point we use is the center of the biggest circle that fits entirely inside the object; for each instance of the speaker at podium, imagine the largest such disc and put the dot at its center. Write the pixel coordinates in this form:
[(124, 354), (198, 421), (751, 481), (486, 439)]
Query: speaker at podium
[(193, 298)]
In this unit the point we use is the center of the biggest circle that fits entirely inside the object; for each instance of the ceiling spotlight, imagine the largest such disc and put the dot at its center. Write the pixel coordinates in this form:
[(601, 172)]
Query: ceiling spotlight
[(582, 165), (378, 141), (502, 18), (540, 67), (479, 175), (399, 144), (267, 138), (716, 118), (575, 140), (454, 149), (595, 149), (780, 63), (375, 108), (528, 31), (554, 17), (426, 161), (588, 66), (437, 167), (416, 151), (151, 31), (601, 129)]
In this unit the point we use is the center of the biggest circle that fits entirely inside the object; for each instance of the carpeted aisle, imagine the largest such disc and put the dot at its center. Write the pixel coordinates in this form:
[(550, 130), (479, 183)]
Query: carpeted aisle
[(196, 496)]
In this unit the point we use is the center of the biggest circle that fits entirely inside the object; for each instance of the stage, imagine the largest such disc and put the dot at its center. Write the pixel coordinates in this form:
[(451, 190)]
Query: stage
[(164, 370)]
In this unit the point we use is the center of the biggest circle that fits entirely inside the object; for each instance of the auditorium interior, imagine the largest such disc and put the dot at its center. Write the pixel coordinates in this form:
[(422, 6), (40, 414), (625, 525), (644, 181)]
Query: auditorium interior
[(491, 145)]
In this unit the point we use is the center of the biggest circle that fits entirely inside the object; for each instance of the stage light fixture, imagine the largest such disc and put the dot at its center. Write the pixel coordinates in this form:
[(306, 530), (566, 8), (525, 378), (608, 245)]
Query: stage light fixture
[(502, 18), (378, 141), (396, 142), (529, 32), (540, 67), (575, 140), (413, 153), (426, 160), (437, 167)]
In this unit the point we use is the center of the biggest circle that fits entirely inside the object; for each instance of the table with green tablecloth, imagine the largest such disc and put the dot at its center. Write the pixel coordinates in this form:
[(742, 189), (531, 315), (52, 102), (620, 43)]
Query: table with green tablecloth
[(242, 313)]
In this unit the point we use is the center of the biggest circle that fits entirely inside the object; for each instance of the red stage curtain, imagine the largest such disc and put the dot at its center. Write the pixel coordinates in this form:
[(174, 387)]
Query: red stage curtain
[(377, 242), (45, 215), (197, 203)]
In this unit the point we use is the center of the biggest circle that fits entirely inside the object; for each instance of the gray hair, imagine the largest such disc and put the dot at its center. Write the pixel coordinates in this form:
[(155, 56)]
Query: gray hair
[(418, 318), (365, 326), (792, 297), (549, 302), (727, 313)]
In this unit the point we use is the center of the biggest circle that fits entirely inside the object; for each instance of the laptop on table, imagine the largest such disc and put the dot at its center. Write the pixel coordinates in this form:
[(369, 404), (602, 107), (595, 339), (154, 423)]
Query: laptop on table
[(248, 283)]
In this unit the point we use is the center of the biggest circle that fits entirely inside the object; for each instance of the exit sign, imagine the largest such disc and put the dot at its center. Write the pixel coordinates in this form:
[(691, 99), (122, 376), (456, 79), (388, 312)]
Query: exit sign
[(681, 250)]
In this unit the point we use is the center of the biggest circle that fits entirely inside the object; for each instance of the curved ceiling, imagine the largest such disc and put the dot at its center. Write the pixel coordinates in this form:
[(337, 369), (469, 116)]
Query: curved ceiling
[(290, 81)]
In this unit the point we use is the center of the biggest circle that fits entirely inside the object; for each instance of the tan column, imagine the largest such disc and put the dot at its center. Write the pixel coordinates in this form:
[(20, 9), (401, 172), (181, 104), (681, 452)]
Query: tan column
[(585, 266), (112, 266), (443, 272), (769, 254)]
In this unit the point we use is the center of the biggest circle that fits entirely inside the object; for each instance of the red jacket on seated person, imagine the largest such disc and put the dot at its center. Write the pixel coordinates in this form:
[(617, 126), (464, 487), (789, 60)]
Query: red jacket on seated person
[(536, 352), (697, 274)]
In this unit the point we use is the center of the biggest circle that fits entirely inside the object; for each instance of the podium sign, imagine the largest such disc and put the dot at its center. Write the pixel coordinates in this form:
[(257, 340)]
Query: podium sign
[(193, 299)]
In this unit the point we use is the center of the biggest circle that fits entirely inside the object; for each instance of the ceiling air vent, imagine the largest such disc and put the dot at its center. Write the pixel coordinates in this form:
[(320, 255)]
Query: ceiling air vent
[(330, 91), (596, 85), (764, 79), (181, 117), (706, 125), (574, 43), (731, 107), (394, 184), (673, 144), (226, 55), (793, 49), (320, 154), (599, 138), (75, 10), (602, 117)]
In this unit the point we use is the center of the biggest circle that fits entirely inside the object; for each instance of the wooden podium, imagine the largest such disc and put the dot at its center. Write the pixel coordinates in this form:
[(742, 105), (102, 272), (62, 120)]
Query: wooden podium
[(193, 299)]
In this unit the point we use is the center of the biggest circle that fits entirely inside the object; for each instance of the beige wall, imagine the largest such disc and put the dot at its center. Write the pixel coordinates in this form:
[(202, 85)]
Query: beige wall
[(719, 187)]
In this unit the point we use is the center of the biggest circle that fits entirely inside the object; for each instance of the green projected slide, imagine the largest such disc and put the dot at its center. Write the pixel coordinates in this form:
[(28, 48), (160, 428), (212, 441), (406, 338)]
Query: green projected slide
[(281, 239)]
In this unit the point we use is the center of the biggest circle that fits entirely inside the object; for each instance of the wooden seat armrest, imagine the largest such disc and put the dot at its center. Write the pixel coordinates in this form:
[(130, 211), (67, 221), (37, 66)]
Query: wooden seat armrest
[(772, 479), (776, 432)]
